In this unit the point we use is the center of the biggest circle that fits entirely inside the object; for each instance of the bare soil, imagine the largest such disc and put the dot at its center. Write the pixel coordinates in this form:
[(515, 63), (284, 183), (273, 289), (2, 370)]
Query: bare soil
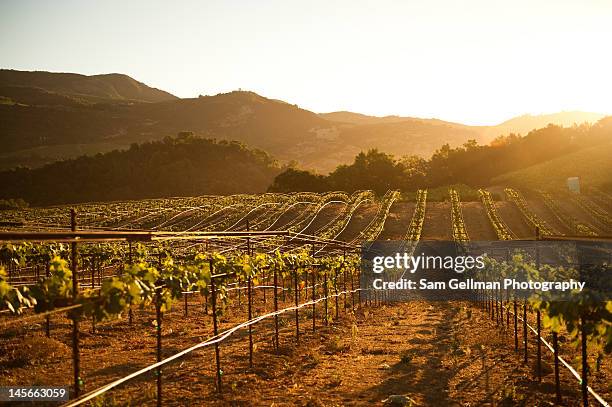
[(325, 217), (476, 221), (514, 219), (437, 223), (539, 208), (436, 354), (583, 216), (360, 219), (398, 221)]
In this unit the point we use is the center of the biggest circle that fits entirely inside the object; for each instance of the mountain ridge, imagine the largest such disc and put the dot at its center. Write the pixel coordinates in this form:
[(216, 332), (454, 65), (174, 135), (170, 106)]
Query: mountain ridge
[(47, 117), (113, 86)]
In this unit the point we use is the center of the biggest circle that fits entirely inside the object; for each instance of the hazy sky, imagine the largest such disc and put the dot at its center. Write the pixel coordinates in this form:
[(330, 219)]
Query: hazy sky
[(479, 61)]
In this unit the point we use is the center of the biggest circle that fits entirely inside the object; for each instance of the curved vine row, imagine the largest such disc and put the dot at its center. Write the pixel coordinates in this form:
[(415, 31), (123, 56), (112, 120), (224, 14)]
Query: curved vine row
[(501, 229), (531, 217), (566, 219)]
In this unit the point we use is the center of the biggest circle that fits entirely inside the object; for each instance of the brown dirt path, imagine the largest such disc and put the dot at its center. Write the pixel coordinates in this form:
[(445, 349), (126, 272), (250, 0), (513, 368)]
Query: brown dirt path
[(514, 219), (438, 354), (398, 221), (583, 216), (539, 208), (476, 221), (437, 223)]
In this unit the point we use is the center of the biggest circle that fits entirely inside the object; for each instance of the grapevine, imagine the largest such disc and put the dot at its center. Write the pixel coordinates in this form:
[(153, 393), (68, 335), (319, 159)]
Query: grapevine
[(531, 217), (569, 221), (501, 229), (460, 234), (137, 284), (594, 210), (418, 217), (376, 226)]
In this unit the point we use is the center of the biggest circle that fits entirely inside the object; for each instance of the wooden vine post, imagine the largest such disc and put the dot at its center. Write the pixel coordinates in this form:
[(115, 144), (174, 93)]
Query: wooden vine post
[(525, 330), (585, 363), (336, 291), (556, 355), (213, 290), (344, 287), (314, 298), (352, 274), (250, 300), (538, 320), (515, 326), (583, 343), (130, 261), (93, 279), (264, 279), (185, 300), (158, 328), (501, 306), (539, 345), (100, 274), (508, 308), (325, 293), (93, 271), (314, 291), (76, 359), (297, 311), (276, 344), (47, 318), (496, 297), (250, 316)]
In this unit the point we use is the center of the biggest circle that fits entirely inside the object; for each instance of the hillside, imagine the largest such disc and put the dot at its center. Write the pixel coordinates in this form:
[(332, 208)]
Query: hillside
[(181, 166), (470, 164), (358, 118), (42, 126), (93, 88), (593, 166), (47, 116), (525, 123)]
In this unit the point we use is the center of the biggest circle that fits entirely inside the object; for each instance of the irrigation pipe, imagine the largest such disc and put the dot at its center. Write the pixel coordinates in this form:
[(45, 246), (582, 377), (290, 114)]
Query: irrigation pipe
[(567, 365), (213, 340)]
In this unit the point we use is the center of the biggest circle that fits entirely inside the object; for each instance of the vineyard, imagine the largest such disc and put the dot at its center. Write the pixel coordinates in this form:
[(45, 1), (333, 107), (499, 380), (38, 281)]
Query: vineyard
[(256, 299)]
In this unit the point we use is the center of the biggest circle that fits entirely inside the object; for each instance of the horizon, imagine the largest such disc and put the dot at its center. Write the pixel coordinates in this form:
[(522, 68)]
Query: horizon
[(531, 114), (474, 63)]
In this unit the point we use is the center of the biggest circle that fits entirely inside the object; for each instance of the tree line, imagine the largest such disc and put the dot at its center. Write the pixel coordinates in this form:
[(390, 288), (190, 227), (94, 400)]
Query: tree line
[(185, 165), (472, 164)]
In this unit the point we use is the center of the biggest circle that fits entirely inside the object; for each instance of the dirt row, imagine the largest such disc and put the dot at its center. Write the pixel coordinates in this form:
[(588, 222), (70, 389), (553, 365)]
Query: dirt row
[(398, 221), (437, 224), (433, 353), (117, 347)]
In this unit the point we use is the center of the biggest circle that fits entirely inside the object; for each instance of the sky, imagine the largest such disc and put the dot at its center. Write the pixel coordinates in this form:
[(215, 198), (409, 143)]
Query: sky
[(470, 61)]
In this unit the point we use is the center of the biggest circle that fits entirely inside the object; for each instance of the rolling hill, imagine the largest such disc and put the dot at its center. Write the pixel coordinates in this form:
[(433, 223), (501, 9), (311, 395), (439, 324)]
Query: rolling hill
[(593, 165), (49, 116), (525, 123), (94, 88), (175, 166)]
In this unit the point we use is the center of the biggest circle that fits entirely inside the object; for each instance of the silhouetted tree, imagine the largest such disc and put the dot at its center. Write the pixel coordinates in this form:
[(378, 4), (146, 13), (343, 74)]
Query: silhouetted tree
[(292, 180)]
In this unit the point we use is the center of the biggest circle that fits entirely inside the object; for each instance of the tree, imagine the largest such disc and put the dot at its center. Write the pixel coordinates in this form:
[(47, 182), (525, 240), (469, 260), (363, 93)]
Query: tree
[(292, 180), (372, 170)]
